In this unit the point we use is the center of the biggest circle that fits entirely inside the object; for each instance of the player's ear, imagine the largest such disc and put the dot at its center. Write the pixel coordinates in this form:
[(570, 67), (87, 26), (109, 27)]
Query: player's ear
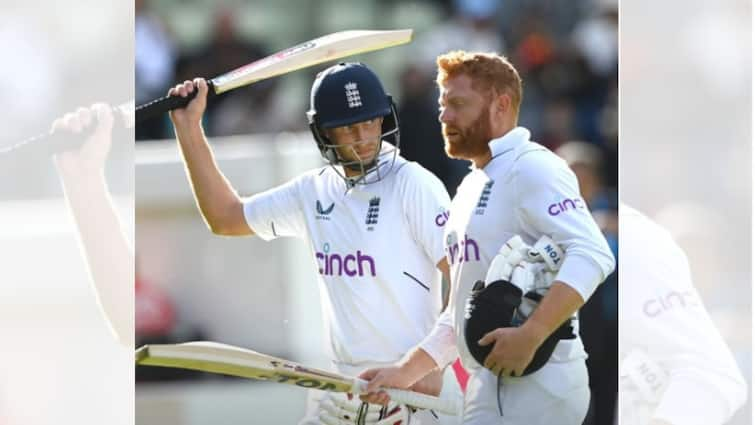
[(502, 102)]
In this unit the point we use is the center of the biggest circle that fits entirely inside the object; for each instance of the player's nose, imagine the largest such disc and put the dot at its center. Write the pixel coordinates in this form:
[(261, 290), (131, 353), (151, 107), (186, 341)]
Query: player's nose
[(444, 116)]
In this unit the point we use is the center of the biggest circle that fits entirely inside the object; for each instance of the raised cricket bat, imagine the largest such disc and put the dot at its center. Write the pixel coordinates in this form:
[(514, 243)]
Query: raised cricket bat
[(330, 47), (230, 360)]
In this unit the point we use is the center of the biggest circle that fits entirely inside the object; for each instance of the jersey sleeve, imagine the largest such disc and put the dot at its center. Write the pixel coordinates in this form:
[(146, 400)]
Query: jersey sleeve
[(673, 328), (549, 203), (440, 343), (425, 205), (276, 212)]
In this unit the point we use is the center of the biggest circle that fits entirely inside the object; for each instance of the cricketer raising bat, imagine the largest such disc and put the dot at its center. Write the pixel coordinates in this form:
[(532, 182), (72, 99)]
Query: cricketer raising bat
[(330, 47), (229, 360), (48, 143)]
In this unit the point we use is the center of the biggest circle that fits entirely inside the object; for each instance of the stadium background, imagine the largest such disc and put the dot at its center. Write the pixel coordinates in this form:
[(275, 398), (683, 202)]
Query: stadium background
[(264, 296)]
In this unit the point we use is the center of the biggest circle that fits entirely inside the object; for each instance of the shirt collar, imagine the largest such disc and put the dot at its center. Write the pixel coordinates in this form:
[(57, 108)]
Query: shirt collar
[(517, 136), (507, 143)]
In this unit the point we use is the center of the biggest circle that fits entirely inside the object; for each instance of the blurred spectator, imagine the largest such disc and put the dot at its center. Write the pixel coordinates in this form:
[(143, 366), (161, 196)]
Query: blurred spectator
[(154, 315), (421, 138), (596, 42), (154, 61), (472, 26), (599, 316), (243, 110), (586, 160), (156, 322)]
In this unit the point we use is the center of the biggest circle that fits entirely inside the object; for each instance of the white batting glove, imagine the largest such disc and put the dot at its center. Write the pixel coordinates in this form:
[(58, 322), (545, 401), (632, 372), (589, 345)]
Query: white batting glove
[(510, 254), (337, 409), (545, 250), (527, 267)]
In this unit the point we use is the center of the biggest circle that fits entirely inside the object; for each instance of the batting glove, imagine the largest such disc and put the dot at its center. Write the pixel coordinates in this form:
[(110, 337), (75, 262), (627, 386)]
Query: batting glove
[(337, 409)]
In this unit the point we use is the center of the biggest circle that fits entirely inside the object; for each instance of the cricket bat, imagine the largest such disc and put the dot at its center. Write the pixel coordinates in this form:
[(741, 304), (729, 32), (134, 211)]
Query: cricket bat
[(235, 361), (330, 47)]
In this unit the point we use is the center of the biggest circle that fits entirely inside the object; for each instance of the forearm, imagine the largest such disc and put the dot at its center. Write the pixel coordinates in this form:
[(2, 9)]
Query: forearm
[(417, 364), (108, 254), (215, 197), (560, 303)]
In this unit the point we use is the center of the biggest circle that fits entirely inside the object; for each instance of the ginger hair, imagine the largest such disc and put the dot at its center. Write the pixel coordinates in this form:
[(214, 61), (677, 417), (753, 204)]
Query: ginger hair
[(487, 71)]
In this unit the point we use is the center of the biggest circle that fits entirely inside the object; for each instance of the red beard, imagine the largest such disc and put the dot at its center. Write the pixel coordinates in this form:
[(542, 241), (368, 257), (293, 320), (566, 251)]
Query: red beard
[(470, 142)]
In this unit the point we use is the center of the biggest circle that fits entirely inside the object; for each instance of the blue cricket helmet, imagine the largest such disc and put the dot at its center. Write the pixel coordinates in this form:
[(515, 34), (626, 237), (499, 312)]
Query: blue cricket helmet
[(345, 94)]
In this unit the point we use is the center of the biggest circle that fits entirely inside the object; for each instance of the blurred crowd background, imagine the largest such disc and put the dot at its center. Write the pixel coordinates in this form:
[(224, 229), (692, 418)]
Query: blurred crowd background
[(565, 52)]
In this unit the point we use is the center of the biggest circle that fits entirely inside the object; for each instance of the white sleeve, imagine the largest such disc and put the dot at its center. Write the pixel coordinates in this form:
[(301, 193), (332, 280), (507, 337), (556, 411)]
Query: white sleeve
[(440, 343), (550, 204), (671, 323), (276, 212), (425, 204)]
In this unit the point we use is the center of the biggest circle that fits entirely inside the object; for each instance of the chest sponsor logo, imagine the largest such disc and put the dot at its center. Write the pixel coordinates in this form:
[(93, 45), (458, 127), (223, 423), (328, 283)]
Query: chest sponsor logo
[(565, 206), (482, 203), (373, 210), (673, 300), (461, 251), (442, 218), (336, 264), (323, 213)]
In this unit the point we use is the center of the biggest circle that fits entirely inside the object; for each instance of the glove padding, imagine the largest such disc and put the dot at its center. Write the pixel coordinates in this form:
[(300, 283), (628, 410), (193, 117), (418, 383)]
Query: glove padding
[(544, 253), (518, 278), (337, 409)]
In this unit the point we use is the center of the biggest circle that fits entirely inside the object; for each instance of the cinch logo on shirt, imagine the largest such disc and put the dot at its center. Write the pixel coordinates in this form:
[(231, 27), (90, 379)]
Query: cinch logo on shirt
[(461, 251), (333, 264), (670, 301), (565, 205), (442, 218)]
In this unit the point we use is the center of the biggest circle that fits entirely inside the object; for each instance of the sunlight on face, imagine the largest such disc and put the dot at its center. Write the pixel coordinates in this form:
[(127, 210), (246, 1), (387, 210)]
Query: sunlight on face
[(358, 141), (464, 117)]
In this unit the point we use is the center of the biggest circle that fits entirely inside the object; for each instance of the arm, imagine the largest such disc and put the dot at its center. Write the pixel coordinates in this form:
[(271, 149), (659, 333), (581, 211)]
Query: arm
[(515, 348), (428, 358), (107, 252), (220, 205), (446, 275), (540, 180), (560, 302)]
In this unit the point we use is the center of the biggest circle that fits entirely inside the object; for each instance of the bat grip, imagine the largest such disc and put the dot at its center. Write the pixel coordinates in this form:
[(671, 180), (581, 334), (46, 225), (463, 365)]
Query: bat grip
[(168, 103), (415, 399)]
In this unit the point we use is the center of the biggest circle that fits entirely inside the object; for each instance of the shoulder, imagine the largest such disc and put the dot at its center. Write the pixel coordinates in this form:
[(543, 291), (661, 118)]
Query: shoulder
[(648, 251), (314, 176), (534, 164), (412, 173), (642, 234)]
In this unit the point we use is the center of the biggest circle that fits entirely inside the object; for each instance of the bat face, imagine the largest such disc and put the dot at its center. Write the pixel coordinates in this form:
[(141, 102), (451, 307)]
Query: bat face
[(310, 53), (246, 74), (234, 361)]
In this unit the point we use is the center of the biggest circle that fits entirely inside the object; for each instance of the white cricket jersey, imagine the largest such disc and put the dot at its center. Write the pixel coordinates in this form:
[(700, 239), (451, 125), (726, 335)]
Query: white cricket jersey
[(375, 248), (524, 190), (674, 365)]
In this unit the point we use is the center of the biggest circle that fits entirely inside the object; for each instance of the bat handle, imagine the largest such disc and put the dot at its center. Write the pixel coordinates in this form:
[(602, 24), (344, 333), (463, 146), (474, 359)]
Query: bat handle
[(168, 103), (414, 399)]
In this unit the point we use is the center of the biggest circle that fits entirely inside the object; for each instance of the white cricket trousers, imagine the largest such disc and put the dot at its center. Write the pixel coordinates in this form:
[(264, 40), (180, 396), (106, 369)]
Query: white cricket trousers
[(557, 394), (450, 389)]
